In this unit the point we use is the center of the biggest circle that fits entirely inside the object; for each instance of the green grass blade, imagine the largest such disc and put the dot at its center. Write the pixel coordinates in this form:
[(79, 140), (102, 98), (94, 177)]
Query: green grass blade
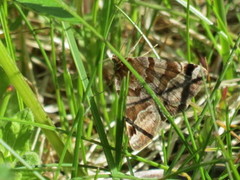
[(29, 99)]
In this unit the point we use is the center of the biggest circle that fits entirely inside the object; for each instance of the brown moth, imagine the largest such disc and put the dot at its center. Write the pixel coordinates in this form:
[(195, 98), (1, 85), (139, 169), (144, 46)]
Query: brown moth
[(175, 83)]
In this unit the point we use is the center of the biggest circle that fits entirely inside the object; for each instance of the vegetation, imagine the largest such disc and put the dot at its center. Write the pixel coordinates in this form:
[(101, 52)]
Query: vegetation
[(60, 115)]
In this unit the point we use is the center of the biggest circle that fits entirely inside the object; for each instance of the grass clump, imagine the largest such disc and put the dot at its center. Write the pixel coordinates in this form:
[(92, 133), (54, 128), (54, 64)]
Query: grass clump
[(59, 114)]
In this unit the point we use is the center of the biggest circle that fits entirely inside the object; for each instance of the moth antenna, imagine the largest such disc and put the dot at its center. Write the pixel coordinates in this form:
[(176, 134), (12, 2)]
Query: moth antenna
[(134, 47), (149, 50), (163, 44)]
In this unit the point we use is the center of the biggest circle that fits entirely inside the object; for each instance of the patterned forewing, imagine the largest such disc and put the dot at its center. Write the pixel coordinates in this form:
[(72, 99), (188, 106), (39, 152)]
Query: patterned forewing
[(174, 83)]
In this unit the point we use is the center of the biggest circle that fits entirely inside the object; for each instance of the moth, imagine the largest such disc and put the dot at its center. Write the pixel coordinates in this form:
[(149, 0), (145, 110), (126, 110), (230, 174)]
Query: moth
[(175, 83)]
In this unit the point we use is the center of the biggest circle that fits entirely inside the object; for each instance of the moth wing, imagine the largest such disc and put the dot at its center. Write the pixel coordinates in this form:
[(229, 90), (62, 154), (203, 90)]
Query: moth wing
[(143, 122), (143, 119), (175, 83), (185, 83)]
